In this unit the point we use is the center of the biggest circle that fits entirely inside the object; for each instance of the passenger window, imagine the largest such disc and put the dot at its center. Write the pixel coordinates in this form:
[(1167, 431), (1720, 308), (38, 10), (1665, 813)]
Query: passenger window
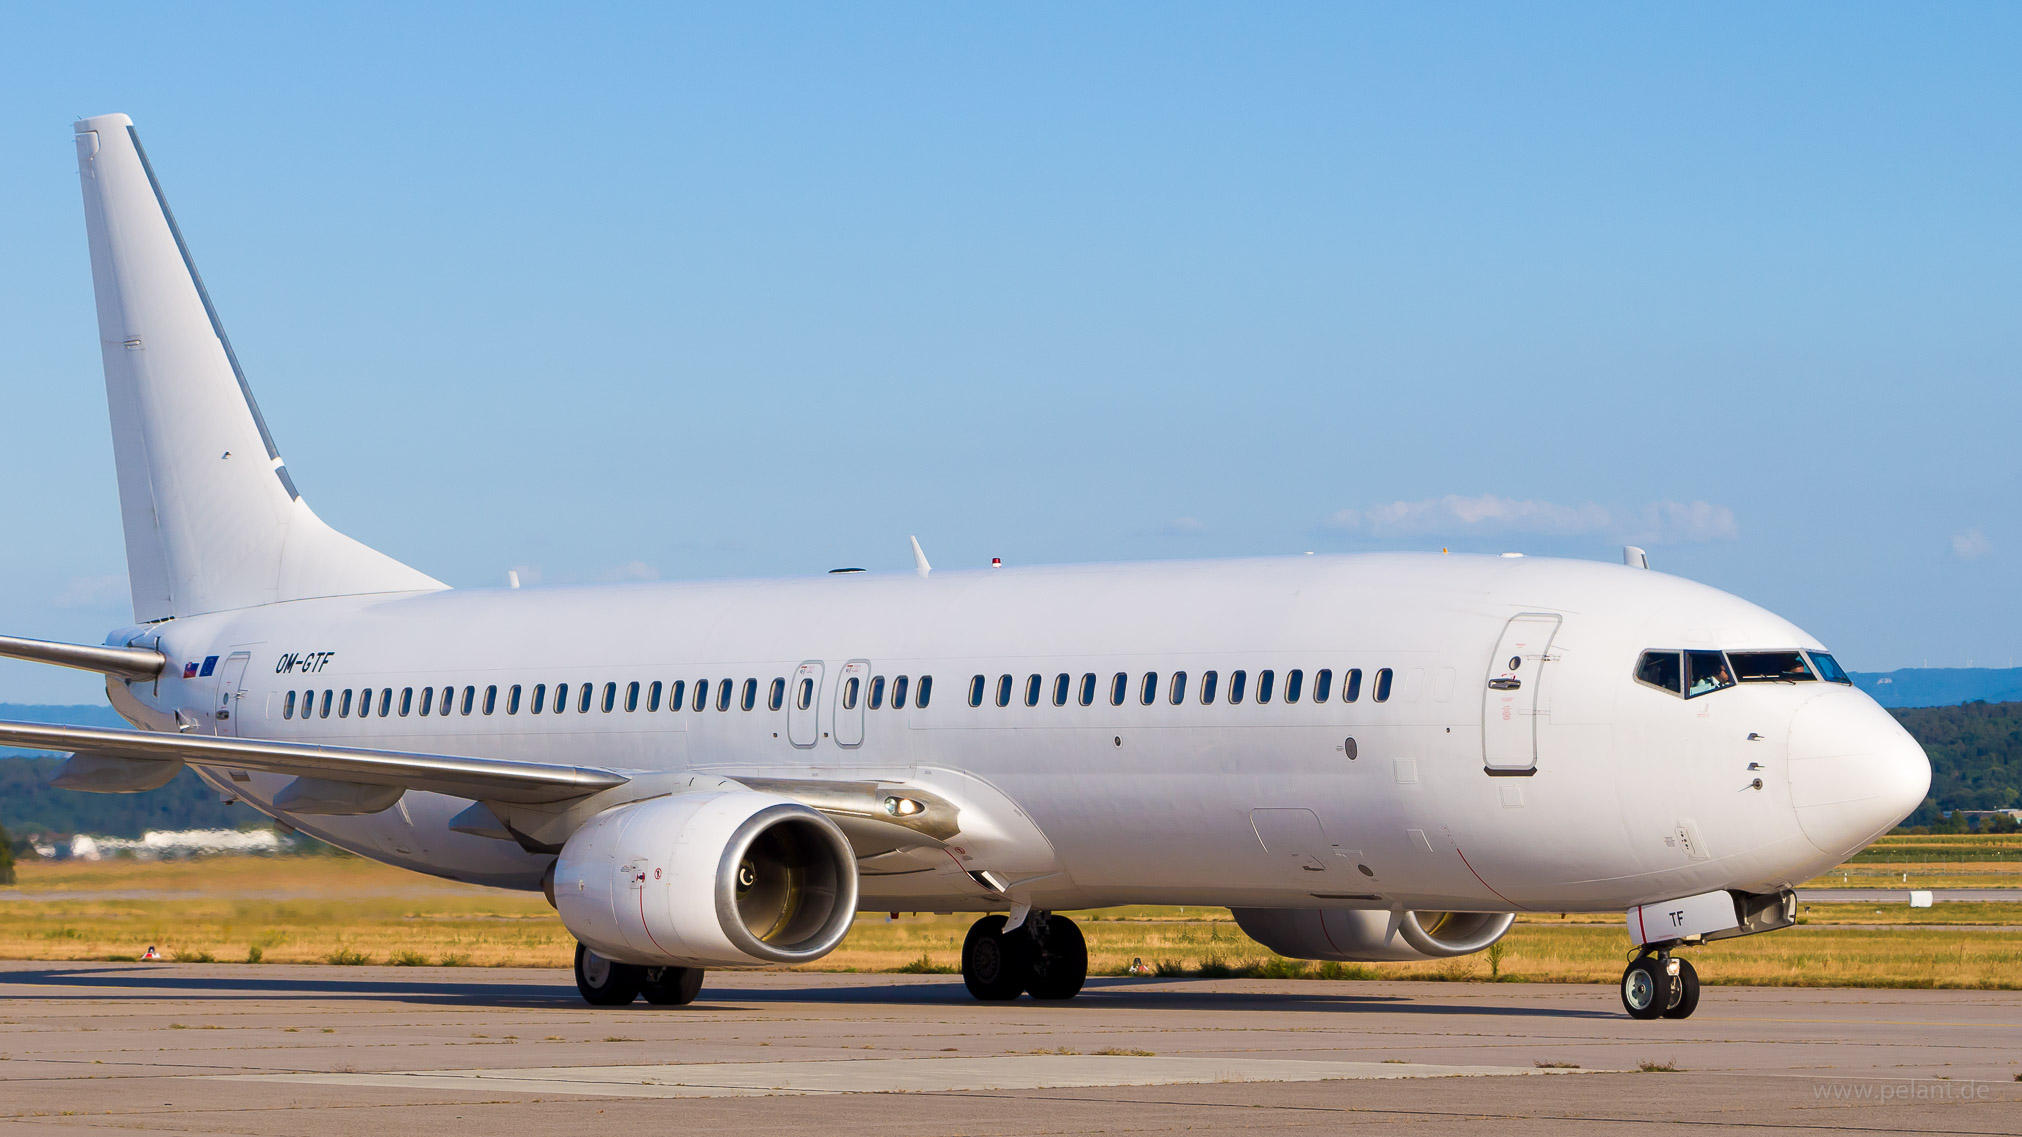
[(407, 701), (344, 705), (1003, 690), (1828, 668), (1208, 679), (491, 699), (1088, 689), (1119, 685), (1063, 684), (308, 704), (385, 701), (632, 697), (805, 698), (1705, 673), (1351, 685), (849, 693), (1237, 680), (329, 700), (1147, 689), (1265, 679), (583, 699), (448, 700), (750, 698), (1033, 685), (1295, 682), (653, 697), (610, 697), (877, 692), (1661, 669), (926, 691), (976, 691), (701, 695), (723, 694), (1323, 684), (675, 692), (365, 703), (1178, 694), (288, 706), (899, 693), (1771, 667), (427, 700), (540, 699), (513, 700), (776, 697), (1383, 685), (469, 699)]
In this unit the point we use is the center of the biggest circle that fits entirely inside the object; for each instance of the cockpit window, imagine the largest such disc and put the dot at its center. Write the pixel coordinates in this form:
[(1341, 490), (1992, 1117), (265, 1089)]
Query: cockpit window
[(1770, 667), (1661, 669), (1829, 668), (1705, 673)]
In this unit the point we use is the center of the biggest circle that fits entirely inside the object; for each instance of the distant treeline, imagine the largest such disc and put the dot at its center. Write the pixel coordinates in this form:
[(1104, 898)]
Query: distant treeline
[(29, 806), (1976, 756)]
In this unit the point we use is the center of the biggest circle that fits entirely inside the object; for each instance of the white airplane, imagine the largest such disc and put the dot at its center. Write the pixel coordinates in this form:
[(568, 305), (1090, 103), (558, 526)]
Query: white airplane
[(1380, 757)]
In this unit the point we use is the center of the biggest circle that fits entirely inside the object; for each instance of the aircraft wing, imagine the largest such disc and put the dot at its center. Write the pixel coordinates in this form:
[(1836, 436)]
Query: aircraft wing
[(484, 779)]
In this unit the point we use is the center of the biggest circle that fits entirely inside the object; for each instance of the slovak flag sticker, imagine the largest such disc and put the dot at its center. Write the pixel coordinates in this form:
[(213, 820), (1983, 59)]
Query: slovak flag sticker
[(189, 671)]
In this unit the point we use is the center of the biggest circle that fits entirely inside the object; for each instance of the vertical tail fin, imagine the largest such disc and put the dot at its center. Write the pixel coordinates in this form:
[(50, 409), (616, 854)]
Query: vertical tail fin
[(212, 519)]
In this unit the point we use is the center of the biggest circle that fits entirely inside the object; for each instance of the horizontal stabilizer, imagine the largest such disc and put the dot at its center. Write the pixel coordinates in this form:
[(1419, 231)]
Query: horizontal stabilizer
[(120, 662), (485, 779)]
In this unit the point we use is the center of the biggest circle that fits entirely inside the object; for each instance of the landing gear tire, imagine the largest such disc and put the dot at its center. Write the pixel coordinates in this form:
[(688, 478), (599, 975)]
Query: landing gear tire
[(671, 986), (1060, 961), (1646, 989), (1684, 992), (605, 982), (996, 967)]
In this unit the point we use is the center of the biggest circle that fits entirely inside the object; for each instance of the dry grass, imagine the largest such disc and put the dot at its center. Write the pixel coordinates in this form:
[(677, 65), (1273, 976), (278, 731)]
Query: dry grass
[(346, 910)]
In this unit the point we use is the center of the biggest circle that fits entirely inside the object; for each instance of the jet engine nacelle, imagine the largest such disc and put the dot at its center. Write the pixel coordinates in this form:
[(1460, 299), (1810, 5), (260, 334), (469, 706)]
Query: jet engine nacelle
[(731, 879), (1364, 936)]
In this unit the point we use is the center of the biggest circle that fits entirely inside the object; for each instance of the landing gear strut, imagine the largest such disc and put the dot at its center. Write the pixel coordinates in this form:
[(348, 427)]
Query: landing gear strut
[(608, 983), (1660, 985), (1046, 956)]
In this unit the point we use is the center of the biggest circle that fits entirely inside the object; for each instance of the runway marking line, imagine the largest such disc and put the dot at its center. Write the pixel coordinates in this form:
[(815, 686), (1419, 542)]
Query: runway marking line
[(891, 1075)]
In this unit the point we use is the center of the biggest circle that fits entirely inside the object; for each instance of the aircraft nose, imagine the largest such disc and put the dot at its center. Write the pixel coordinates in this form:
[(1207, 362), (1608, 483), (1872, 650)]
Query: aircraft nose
[(1855, 773)]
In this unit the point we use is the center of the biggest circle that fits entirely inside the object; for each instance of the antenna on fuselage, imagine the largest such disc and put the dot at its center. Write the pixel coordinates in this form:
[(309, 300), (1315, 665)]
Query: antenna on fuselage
[(920, 564), (1635, 557)]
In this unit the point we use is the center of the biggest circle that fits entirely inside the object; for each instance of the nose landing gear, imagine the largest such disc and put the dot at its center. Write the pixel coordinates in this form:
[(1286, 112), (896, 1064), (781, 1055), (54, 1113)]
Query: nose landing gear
[(1660, 985), (1046, 956)]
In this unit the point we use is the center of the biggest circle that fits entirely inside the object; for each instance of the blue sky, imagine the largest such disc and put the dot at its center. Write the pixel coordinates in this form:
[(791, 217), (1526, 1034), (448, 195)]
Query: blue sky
[(608, 293)]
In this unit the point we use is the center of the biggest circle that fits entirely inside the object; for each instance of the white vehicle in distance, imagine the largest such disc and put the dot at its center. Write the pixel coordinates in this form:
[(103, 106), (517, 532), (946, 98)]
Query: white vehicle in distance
[(1381, 757)]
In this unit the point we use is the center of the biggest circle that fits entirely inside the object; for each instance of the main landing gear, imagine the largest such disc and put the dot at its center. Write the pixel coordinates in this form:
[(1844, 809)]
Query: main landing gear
[(1045, 956), (1660, 985), (608, 983)]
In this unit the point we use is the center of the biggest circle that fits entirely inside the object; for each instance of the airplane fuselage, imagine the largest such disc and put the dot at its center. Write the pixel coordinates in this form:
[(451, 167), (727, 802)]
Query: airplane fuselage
[(1082, 780)]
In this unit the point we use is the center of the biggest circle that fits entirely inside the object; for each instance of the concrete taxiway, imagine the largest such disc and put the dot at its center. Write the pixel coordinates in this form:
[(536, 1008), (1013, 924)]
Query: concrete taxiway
[(338, 1051)]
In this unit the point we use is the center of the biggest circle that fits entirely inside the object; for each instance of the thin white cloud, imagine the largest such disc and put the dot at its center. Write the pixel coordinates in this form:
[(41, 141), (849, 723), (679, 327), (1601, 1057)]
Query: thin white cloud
[(1971, 545), (93, 592), (634, 570), (1455, 514), (1183, 527), (529, 574)]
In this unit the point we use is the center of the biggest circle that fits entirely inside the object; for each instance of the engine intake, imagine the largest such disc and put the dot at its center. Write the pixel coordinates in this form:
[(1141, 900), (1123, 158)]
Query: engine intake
[(1365, 936), (733, 879)]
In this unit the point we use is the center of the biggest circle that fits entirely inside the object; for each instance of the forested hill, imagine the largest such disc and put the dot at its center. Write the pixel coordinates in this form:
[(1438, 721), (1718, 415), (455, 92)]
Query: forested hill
[(1976, 755)]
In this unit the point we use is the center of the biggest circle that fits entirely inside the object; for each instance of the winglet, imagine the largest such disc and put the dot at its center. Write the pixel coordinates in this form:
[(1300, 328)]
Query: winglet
[(1635, 557), (920, 564)]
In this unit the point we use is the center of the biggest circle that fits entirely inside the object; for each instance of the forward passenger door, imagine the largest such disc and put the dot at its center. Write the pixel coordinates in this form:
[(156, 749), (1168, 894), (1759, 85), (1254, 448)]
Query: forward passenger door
[(1509, 706)]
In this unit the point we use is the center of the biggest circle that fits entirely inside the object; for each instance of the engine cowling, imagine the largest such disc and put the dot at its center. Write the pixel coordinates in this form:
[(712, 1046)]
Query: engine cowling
[(1365, 936), (731, 879)]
